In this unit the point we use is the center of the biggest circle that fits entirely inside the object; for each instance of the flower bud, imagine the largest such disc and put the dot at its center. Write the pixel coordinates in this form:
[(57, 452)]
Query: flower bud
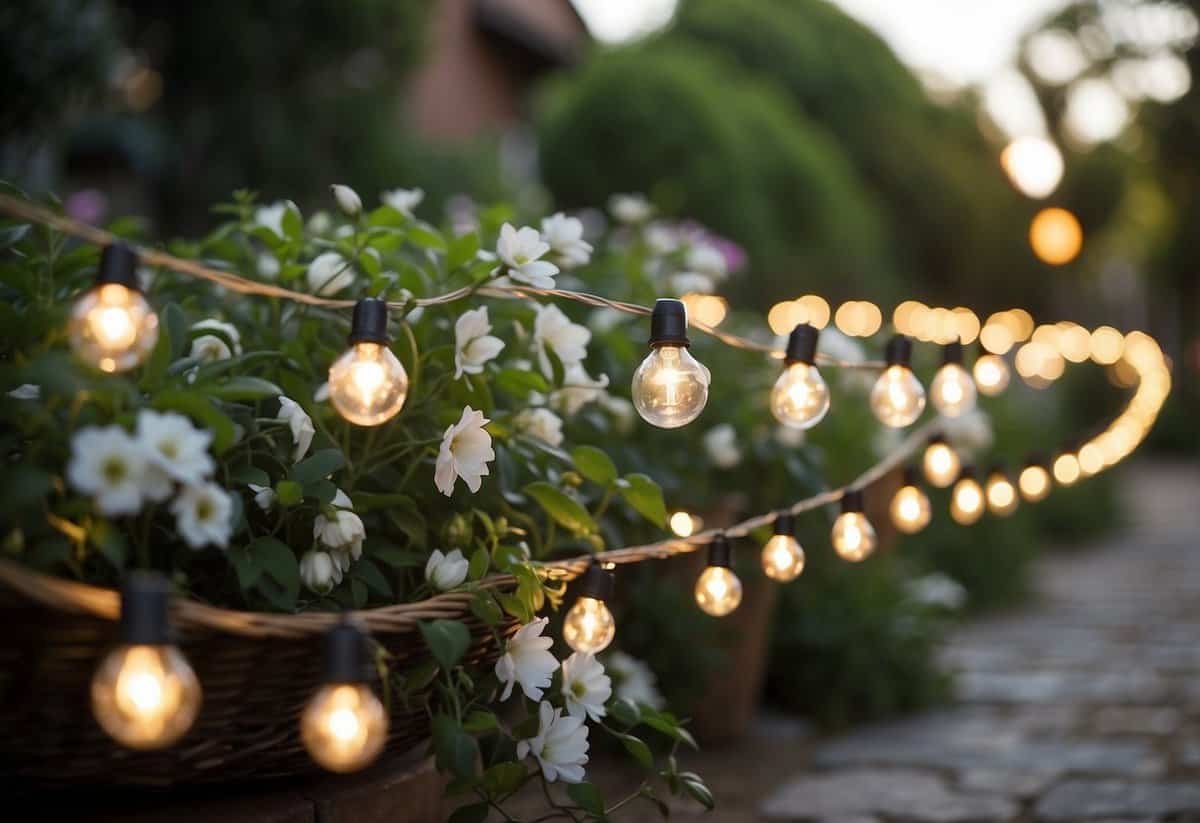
[(347, 199)]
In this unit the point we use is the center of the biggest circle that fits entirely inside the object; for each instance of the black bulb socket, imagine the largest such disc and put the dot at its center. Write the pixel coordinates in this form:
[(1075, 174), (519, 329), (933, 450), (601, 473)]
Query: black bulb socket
[(346, 653), (145, 609), (898, 351), (802, 345), (912, 476), (370, 322), (668, 323), (597, 583), (785, 523), (720, 552), (118, 265), (952, 353), (852, 500)]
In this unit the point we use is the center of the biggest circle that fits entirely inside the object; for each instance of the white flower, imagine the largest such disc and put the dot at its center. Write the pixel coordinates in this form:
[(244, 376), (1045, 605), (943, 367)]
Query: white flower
[(474, 344), (527, 660), (209, 348), (690, 282), (403, 200), (343, 530), (970, 433), (320, 223), (630, 208), (585, 686), (565, 236), (721, 444), (26, 391), (661, 238), (227, 329), (605, 320), (174, 449), (203, 515), (521, 252), (560, 746), (268, 266), (465, 451), (271, 216), (707, 260), (300, 423), (623, 414), (445, 571), (578, 390), (635, 680), (937, 589), (264, 496), (107, 464), (319, 572), (329, 273), (347, 199), (543, 424), (553, 330)]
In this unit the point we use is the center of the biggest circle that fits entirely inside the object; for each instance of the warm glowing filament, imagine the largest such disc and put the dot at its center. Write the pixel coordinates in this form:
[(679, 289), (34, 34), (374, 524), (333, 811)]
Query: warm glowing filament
[(589, 626)]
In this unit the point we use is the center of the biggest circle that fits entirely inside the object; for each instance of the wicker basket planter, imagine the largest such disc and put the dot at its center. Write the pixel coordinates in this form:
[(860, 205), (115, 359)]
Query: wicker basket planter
[(257, 671)]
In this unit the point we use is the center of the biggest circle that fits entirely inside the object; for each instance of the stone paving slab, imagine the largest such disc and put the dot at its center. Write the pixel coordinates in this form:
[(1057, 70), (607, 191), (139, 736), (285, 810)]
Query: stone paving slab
[(1081, 799)]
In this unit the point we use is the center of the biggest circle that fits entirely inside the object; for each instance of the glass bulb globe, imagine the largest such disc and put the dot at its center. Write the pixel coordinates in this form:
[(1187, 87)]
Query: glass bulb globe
[(1001, 495), (782, 558), (910, 510), (941, 464), (897, 398), (145, 697), (991, 374), (1066, 469), (800, 397), (966, 501), (953, 390), (718, 591), (113, 327), (853, 536), (344, 726), (670, 387), (1034, 482), (589, 626), (367, 384)]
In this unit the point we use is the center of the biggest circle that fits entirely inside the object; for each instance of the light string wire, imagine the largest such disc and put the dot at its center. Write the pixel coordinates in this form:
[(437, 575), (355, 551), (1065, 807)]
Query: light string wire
[(24, 210)]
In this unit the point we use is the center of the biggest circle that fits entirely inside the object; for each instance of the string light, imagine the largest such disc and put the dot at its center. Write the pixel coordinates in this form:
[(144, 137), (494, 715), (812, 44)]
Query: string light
[(1034, 481), (898, 398), (952, 390), (670, 387), (367, 384), (144, 693), (1001, 495), (1066, 469), (967, 502), (853, 536), (718, 590), (910, 507), (112, 326), (940, 462), (683, 524), (800, 398), (991, 373), (782, 556), (589, 626), (343, 725)]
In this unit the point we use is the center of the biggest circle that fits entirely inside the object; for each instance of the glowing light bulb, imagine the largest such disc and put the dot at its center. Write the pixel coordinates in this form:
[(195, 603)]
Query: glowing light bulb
[(991, 374), (111, 325), (670, 387), (967, 500), (782, 556), (589, 626), (367, 384), (344, 726), (898, 398), (683, 524), (1066, 469), (718, 589), (952, 389), (800, 398), (1001, 494), (853, 536), (1034, 482), (144, 693), (941, 463), (910, 507)]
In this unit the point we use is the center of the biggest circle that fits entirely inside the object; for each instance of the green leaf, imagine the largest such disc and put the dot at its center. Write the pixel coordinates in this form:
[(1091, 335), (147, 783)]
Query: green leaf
[(462, 249), (587, 797), (480, 561), (244, 388), (426, 237), (594, 464), (277, 560), (520, 383), (177, 329), (638, 750), (668, 725), (474, 813), (393, 556), (14, 234), (504, 779), (486, 609), (695, 787), (457, 752), (317, 466), (156, 366), (110, 542), (565, 510), (244, 475), (23, 485), (292, 224), (645, 496), (248, 572), (200, 409), (481, 721), (557, 371), (515, 606), (289, 493), (448, 641), (369, 573), (625, 712)]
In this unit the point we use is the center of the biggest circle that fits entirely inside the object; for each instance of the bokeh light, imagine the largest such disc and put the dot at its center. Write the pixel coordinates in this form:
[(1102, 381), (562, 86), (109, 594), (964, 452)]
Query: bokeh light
[(1056, 236), (1034, 165)]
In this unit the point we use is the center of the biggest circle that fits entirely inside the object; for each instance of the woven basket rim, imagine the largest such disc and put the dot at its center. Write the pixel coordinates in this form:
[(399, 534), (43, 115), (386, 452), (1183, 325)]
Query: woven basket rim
[(187, 614)]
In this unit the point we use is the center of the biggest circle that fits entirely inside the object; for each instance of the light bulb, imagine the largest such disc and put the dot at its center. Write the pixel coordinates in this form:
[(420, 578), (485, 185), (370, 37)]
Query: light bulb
[(367, 384), (782, 557), (967, 500), (111, 325), (670, 387), (1066, 469), (144, 693), (344, 726), (589, 627), (718, 590), (853, 536), (800, 398), (952, 389), (991, 374), (1034, 482), (1001, 493), (684, 524), (941, 463), (910, 507), (898, 398)]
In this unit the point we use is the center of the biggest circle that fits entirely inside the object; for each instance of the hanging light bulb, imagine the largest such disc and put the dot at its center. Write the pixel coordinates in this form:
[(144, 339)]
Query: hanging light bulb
[(1001, 494), (853, 535), (1034, 481), (782, 557), (910, 507), (589, 626), (343, 725), (144, 693), (800, 397), (112, 326), (967, 502), (670, 387), (898, 398), (941, 462), (1066, 469), (718, 590), (991, 373), (367, 384), (952, 389)]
